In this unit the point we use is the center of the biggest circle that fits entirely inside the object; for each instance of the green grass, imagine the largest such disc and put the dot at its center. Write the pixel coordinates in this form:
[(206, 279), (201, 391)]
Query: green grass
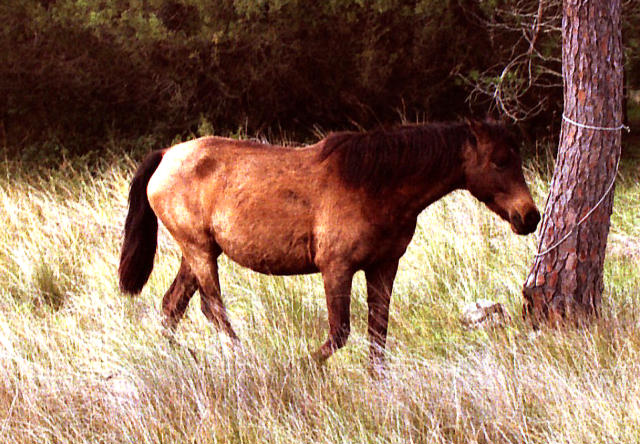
[(81, 363)]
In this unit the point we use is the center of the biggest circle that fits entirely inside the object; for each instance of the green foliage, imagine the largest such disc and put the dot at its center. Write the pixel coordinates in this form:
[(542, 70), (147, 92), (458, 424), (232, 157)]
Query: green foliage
[(631, 36), (77, 72), (48, 288), (78, 75)]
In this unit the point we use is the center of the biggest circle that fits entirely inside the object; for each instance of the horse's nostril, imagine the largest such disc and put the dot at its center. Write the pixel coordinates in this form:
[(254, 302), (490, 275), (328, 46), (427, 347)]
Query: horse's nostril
[(516, 220), (531, 219), (526, 226)]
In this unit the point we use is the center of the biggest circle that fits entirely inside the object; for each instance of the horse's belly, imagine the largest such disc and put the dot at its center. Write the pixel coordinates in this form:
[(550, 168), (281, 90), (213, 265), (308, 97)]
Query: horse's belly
[(270, 260), (272, 265), (268, 248)]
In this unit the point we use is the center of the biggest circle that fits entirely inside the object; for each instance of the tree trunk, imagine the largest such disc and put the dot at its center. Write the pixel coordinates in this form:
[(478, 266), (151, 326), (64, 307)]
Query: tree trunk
[(565, 282)]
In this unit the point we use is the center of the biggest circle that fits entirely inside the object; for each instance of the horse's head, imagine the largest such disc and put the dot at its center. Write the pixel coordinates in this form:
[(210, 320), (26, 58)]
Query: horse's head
[(493, 174)]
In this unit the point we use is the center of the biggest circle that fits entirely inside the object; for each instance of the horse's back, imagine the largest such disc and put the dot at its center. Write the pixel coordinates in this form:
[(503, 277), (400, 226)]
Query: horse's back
[(257, 203)]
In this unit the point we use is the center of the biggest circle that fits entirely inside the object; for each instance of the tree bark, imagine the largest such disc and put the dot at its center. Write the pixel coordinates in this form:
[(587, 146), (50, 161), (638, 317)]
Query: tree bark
[(565, 282)]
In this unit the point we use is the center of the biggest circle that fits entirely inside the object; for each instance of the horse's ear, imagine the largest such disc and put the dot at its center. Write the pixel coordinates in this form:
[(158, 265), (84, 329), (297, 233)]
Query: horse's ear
[(492, 117), (477, 129)]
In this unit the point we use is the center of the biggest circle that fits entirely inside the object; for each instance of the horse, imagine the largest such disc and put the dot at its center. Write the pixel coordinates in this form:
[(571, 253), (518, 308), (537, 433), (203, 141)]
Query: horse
[(349, 202)]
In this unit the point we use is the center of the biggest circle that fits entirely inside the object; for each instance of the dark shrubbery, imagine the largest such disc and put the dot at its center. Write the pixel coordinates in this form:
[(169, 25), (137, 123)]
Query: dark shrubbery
[(76, 74)]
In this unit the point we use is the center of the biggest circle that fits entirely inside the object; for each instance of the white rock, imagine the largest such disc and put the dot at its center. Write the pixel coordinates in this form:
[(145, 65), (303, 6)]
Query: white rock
[(483, 313)]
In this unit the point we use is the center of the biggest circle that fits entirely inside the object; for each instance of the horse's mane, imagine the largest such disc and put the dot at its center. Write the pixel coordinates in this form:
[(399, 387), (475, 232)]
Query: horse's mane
[(382, 158)]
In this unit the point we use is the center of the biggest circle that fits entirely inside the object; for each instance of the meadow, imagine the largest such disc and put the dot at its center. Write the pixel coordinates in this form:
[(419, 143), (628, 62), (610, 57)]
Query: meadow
[(81, 363)]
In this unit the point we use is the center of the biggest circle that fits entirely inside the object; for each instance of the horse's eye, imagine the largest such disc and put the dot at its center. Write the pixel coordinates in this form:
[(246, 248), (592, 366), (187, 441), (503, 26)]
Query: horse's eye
[(501, 163)]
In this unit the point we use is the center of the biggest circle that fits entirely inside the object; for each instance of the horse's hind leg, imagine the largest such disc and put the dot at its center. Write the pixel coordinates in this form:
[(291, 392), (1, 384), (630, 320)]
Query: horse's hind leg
[(204, 264), (177, 297), (379, 286), (337, 288)]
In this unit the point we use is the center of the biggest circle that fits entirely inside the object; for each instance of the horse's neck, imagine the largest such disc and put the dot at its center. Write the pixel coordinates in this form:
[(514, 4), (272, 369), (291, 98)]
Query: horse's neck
[(419, 194)]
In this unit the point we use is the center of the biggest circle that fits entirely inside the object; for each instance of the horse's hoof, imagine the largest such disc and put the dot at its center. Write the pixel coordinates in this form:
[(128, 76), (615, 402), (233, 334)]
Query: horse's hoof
[(316, 357), (377, 372), (169, 335), (229, 344), (319, 356)]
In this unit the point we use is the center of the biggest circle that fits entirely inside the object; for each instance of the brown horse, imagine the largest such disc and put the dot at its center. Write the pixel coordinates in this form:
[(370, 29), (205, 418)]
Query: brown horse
[(350, 202)]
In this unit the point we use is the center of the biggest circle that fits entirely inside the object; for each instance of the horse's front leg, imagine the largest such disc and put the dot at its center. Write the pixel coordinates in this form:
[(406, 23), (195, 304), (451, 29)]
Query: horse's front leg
[(337, 288), (379, 287)]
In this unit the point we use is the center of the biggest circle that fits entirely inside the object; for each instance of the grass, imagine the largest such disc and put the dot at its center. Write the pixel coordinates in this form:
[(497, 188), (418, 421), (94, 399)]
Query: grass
[(81, 363)]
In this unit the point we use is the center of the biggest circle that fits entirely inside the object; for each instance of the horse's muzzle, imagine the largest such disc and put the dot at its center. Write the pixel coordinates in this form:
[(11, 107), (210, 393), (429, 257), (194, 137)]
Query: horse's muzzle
[(528, 224)]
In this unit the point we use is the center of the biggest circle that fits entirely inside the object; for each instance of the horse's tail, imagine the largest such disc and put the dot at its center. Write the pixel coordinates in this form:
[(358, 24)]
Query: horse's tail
[(140, 230)]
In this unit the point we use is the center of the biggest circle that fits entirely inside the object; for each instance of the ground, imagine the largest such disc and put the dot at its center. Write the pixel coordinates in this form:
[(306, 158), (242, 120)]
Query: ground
[(81, 363)]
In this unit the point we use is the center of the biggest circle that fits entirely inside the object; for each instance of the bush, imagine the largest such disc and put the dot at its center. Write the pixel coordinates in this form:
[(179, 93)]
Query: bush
[(78, 72), (78, 75)]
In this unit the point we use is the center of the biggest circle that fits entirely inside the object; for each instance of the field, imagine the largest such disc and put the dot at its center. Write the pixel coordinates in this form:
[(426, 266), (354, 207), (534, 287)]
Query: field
[(81, 363)]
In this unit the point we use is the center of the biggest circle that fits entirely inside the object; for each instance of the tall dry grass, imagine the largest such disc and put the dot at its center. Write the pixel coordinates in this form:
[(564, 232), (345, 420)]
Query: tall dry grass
[(80, 363)]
